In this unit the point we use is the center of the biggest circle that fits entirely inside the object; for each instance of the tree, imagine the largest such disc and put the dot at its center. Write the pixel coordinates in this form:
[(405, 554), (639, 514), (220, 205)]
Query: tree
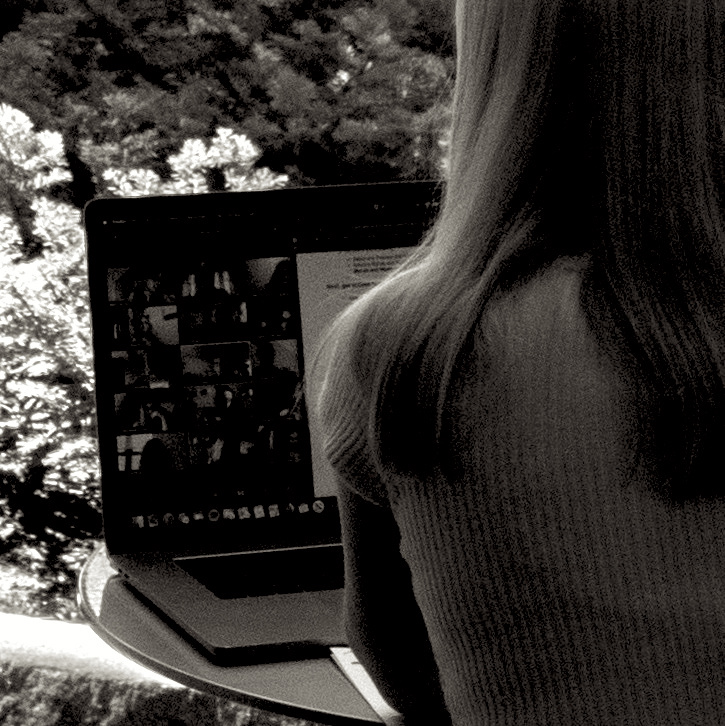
[(48, 470), (332, 92), (224, 163)]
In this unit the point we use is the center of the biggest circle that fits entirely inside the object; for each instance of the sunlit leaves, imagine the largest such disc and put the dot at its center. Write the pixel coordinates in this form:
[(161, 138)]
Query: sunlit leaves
[(233, 155), (46, 392), (31, 160)]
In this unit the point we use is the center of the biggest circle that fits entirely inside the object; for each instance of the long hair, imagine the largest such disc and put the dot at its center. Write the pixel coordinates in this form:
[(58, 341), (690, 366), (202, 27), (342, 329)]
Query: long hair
[(579, 126)]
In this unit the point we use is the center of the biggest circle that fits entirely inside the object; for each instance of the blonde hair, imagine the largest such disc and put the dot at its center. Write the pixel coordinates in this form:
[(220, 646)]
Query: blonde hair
[(586, 126)]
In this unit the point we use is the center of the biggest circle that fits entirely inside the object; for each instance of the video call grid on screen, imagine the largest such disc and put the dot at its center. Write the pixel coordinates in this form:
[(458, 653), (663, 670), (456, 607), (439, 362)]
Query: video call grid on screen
[(207, 392)]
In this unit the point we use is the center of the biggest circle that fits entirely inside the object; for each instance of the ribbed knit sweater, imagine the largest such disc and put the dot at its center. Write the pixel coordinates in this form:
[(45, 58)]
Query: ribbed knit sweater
[(557, 581)]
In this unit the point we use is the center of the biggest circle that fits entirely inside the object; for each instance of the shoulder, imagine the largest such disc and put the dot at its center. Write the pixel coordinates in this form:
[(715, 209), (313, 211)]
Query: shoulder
[(540, 313), (339, 390), (536, 350), (536, 347)]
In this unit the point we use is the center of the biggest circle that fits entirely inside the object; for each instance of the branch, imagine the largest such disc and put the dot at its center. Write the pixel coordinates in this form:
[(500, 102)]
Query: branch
[(24, 217)]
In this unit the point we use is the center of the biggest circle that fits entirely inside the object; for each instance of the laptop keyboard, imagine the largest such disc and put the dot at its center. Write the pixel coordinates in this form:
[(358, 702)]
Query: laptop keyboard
[(272, 572)]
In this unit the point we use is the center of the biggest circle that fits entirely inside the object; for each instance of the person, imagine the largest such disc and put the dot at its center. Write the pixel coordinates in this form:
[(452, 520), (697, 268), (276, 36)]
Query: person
[(526, 418)]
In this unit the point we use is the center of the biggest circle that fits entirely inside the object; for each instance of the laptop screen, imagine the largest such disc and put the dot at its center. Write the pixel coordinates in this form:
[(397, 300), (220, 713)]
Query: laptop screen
[(204, 311)]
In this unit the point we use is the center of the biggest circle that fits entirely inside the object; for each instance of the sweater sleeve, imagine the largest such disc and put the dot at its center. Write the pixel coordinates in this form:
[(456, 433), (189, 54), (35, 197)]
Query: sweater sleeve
[(342, 412), (383, 622)]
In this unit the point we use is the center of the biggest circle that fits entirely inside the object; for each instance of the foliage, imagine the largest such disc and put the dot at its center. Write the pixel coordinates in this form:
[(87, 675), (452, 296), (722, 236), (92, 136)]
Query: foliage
[(49, 495), (334, 92), (48, 478), (193, 169)]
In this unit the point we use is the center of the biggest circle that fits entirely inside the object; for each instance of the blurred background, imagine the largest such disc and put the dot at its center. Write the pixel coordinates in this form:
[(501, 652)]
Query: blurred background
[(136, 97)]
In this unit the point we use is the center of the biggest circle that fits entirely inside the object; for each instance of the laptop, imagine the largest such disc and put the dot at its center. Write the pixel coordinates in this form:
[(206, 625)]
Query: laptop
[(219, 510)]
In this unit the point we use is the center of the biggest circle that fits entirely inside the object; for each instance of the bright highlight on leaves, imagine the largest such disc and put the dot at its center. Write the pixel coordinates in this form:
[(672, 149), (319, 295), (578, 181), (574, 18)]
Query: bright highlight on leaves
[(233, 155)]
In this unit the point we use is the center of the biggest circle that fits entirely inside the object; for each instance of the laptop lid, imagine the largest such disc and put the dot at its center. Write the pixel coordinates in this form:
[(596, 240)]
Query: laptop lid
[(205, 309)]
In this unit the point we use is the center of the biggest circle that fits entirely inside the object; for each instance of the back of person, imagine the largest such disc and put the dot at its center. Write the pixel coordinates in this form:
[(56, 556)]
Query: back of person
[(527, 416), (557, 582)]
